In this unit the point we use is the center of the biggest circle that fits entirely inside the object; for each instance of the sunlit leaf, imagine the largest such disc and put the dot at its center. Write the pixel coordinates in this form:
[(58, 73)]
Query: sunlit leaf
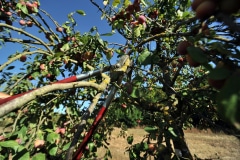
[(52, 137), (10, 144), (108, 34), (130, 139), (39, 156), (170, 129), (151, 129), (115, 3), (81, 12), (144, 57), (22, 155), (53, 149), (66, 146)]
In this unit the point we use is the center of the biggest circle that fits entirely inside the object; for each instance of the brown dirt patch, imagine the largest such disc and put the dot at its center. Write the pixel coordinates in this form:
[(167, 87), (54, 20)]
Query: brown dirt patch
[(204, 144)]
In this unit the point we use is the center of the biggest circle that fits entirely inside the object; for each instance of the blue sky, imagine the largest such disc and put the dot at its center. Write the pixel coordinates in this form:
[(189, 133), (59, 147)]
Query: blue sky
[(59, 11)]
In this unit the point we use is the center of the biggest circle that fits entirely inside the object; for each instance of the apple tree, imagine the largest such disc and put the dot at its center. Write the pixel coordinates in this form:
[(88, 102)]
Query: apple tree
[(182, 71)]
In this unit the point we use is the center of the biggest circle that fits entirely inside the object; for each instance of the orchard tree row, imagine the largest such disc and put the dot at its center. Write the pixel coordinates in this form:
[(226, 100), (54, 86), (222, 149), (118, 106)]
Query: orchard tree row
[(182, 71)]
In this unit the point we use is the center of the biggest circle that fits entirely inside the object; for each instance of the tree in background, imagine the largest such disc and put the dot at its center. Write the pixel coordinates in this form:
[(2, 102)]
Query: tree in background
[(184, 73)]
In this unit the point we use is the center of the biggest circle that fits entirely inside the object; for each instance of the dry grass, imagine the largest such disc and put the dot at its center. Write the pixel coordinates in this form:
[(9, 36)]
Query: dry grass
[(203, 144)]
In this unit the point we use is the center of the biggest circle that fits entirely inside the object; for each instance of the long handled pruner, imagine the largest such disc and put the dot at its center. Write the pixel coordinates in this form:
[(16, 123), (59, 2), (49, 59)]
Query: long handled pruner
[(70, 79), (118, 76), (117, 73)]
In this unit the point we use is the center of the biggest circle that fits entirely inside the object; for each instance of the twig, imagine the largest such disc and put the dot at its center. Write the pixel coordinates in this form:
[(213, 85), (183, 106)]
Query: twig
[(27, 34), (22, 100), (18, 56)]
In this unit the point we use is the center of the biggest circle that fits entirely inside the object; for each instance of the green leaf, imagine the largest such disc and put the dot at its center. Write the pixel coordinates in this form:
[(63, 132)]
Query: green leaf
[(53, 149), (92, 147), (135, 92), (151, 129), (144, 3), (145, 146), (65, 47), (130, 139), (81, 12), (229, 100), (197, 54), (97, 136), (22, 155), (219, 73), (116, 3), (39, 156), (58, 54), (107, 34), (66, 146), (22, 133), (137, 32), (52, 137), (10, 67), (170, 129), (144, 57), (126, 3), (23, 8), (10, 144)]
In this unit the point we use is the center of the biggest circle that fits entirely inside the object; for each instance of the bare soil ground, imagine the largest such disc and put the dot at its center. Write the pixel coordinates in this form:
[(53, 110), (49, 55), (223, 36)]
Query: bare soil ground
[(204, 144)]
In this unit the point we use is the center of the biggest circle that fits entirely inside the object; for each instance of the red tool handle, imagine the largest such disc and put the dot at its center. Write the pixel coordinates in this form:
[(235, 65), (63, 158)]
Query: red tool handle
[(66, 80), (86, 139)]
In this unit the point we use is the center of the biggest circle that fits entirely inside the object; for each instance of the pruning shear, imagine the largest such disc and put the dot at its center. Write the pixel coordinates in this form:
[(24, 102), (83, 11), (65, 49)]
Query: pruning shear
[(117, 72), (74, 78), (123, 67)]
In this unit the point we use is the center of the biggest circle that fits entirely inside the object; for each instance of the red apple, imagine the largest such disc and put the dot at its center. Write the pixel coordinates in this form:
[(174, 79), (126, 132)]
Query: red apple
[(57, 130), (22, 22), (218, 84), (42, 66), (180, 60), (29, 5), (2, 138), (124, 105), (62, 130), (59, 29), (128, 88), (151, 147), (229, 6), (141, 19), (191, 62), (130, 8), (30, 78), (8, 13), (182, 47), (39, 143), (196, 3), (23, 58), (18, 140), (205, 9), (29, 23), (35, 4), (8, 21)]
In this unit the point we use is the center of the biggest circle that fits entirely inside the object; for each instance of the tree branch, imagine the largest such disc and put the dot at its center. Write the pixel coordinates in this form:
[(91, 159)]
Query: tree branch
[(27, 34), (18, 56), (22, 100)]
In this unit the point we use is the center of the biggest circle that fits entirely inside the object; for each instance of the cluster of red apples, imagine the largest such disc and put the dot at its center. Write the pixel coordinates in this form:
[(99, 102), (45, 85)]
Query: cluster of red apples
[(128, 14), (20, 8)]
